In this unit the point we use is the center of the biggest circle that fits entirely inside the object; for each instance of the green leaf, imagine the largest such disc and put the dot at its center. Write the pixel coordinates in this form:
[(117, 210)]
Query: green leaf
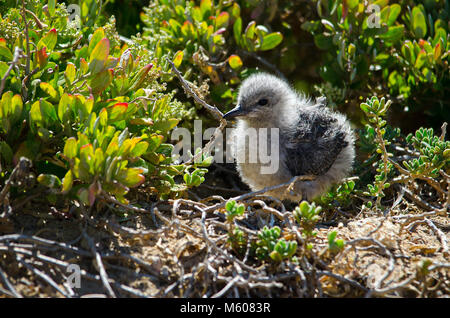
[(206, 7), (165, 125), (6, 53), (51, 7), (67, 182), (139, 149), (64, 107), (70, 72), (236, 10), (101, 81), (49, 180), (16, 107), (250, 30), (237, 31), (6, 152), (131, 177), (394, 12), (332, 237), (70, 148), (46, 87), (323, 42), (229, 205), (140, 77), (419, 23), (393, 34), (47, 111), (271, 40), (3, 69), (103, 117)]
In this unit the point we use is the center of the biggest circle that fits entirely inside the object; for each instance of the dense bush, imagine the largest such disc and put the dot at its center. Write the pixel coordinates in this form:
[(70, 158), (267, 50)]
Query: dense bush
[(91, 114), (400, 48), (208, 40)]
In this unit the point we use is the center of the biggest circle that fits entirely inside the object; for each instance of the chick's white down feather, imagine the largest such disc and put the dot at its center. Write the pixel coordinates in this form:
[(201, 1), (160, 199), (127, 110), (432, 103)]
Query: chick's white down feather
[(313, 140)]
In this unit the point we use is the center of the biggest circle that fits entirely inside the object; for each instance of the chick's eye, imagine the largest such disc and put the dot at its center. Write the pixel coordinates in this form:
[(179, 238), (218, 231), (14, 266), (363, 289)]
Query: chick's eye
[(263, 101)]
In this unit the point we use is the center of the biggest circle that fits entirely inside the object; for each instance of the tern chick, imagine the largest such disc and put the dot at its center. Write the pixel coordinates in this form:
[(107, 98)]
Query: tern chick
[(312, 139)]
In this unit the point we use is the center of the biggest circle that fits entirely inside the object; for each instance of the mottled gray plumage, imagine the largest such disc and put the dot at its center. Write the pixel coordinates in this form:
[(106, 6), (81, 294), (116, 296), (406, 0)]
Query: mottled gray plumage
[(313, 140)]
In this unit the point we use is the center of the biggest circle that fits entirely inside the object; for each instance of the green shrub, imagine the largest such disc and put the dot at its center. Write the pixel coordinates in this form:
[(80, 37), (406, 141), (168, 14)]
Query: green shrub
[(403, 50), (269, 244), (206, 39), (91, 114)]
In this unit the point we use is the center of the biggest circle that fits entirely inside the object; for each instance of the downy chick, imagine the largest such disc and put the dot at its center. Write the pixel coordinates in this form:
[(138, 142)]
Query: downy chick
[(312, 139)]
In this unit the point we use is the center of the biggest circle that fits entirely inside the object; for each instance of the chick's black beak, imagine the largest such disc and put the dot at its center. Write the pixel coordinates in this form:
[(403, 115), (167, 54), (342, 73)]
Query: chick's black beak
[(235, 112)]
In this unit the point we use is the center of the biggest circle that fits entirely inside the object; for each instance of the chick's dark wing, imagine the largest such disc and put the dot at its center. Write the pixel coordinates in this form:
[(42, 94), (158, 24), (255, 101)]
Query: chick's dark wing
[(313, 146)]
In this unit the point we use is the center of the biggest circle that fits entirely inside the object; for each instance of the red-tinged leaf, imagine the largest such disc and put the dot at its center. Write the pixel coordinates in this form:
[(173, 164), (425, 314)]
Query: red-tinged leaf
[(178, 58), (422, 42), (101, 81), (2, 42), (437, 51), (97, 36), (222, 20), (42, 57), (117, 112), (84, 66), (49, 40), (99, 56), (235, 62), (187, 29)]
